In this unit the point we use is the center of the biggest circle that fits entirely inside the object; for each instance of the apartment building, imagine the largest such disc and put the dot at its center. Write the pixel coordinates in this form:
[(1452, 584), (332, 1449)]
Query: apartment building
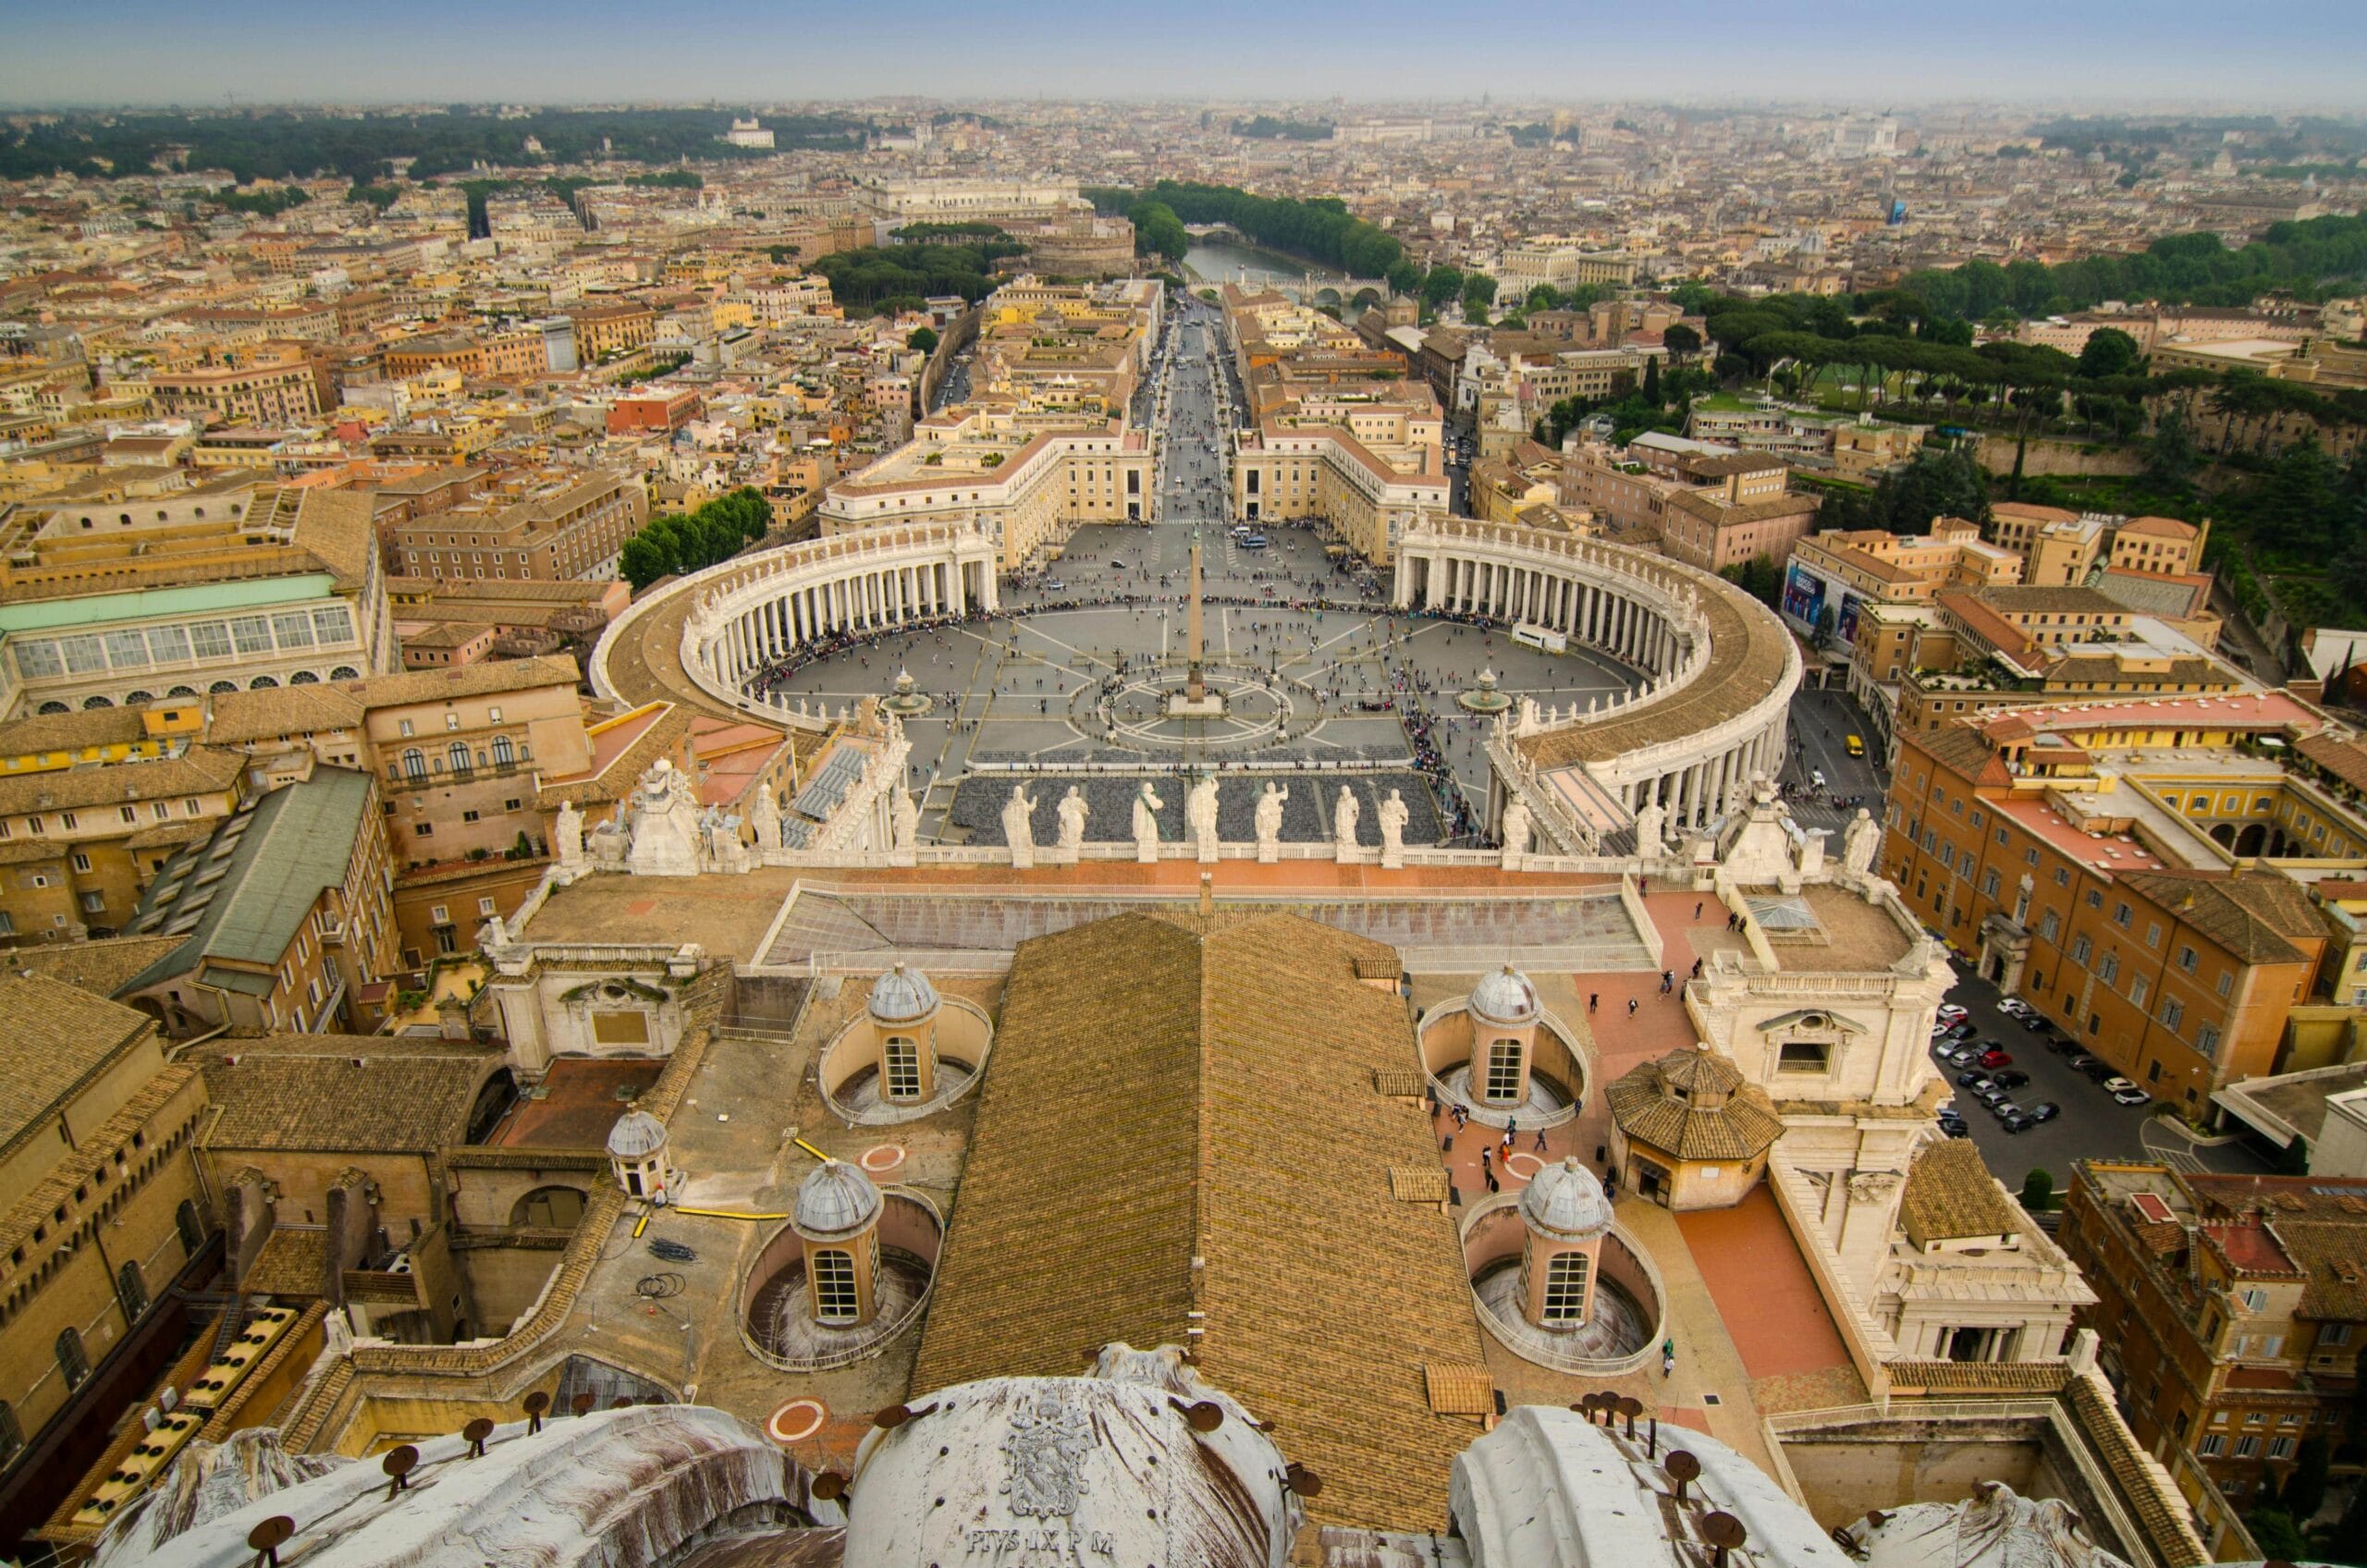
[(1842, 570), (2118, 864), (1701, 528), (278, 390), (2229, 1313), (225, 586), (1287, 470), (2060, 548), (105, 1215), (284, 916), (457, 754), (978, 466), (537, 525), (607, 330)]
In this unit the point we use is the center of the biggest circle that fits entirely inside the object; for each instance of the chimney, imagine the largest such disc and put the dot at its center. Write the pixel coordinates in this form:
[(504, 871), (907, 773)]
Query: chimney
[(1208, 894)]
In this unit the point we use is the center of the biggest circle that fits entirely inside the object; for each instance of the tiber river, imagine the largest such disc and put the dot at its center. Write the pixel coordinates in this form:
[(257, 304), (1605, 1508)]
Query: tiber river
[(1214, 262)]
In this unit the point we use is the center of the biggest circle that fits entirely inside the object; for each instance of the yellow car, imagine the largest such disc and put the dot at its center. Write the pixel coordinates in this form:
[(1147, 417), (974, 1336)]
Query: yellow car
[(1853, 745)]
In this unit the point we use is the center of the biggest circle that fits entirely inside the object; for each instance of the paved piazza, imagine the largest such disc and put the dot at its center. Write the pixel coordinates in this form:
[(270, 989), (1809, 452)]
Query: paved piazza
[(1054, 687)]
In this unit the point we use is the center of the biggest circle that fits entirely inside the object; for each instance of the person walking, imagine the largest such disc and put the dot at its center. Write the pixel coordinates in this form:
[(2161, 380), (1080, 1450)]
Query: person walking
[(1668, 1358), (1592, 997), (1631, 1007)]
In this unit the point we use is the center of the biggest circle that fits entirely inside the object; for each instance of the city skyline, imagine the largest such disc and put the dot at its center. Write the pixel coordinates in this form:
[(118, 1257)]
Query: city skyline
[(144, 53)]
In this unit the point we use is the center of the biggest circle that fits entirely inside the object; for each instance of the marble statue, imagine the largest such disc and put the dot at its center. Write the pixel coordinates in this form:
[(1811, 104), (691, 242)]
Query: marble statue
[(1652, 829), (1073, 811), (1269, 822), (567, 836), (1344, 813), (1392, 816), (1018, 817), (1147, 809), (1200, 815), (665, 824), (766, 819), (1858, 844), (903, 821), (1513, 830)]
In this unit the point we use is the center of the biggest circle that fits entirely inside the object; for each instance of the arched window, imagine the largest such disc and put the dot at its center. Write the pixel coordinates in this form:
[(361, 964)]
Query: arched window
[(345, 672), (414, 763), (1503, 1070), (903, 1068), (132, 699), (303, 678), (504, 754), (132, 1289), (71, 1361), (93, 702), (834, 1293), (1566, 1288), (221, 686), (262, 683), (192, 1228), (456, 757), (182, 691), (54, 707)]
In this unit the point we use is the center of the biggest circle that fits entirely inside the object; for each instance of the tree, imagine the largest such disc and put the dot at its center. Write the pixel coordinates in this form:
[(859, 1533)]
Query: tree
[(2305, 1489), (1444, 283), (2349, 1542), (1404, 277), (2273, 1531), (2038, 1190), (922, 337), (1757, 577), (2172, 456), (1682, 341), (1652, 382), (2108, 351), (2295, 509), (1158, 231), (1478, 295), (643, 560)]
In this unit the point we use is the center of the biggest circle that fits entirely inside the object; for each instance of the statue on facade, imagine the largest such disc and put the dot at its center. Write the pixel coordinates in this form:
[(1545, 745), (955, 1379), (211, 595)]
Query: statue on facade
[(1147, 809), (1393, 816), (1859, 842), (664, 812), (1269, 822), (1018, 832), (1513, 831), (903, 821), (1200, 815), (1073, 811), (567, 836), (766, 819), (1652, 829), (1344, 813)]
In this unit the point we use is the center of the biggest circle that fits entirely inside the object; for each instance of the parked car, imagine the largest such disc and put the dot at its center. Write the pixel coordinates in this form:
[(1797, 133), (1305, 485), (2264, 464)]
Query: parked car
[(2063, 1044), (1972, 1078), (1956, 1129), (2130, 1096), (2097, 1069), (2035, 1021), (1992, 1097), (1962, 1030), (2012, 1007), (1962, 1055), (1951, 1013), (1995, 1056), (2017, 1121), (2045, 1110), (2009, 1078)]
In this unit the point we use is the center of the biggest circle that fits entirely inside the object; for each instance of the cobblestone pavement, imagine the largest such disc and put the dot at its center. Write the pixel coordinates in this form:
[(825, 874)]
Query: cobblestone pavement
[(1026, 688)]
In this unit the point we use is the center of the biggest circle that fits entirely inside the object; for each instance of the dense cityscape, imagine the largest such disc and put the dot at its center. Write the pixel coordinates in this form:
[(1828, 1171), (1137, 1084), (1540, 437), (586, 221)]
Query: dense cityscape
[(1334, 830)]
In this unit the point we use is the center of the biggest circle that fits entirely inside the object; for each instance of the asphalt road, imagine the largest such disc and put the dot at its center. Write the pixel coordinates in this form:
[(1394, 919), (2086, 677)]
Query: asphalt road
[(1819, 725), (2092, 1126)]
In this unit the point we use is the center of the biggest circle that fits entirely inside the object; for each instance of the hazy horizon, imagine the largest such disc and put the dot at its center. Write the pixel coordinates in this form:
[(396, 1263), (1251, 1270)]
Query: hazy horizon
[(2170, 55)]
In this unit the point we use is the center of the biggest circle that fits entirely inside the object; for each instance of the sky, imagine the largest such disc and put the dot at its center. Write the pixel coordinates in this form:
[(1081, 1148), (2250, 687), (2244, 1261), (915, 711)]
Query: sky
[(2167, 54)]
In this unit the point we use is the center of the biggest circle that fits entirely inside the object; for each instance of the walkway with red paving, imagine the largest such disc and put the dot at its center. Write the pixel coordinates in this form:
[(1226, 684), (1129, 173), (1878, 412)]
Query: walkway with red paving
[(1763, 1287)]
